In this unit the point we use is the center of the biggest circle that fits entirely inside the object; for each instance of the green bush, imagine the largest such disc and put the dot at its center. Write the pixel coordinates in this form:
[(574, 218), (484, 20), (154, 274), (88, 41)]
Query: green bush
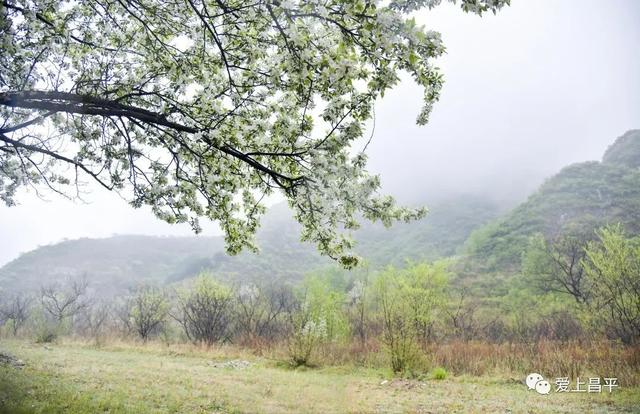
[(408, 300), (613, 270), (439, 373), (45, 329)]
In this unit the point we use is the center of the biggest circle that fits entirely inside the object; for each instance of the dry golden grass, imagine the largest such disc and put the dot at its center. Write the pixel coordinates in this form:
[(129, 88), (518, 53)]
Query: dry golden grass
[(553, 359), (474, 358)]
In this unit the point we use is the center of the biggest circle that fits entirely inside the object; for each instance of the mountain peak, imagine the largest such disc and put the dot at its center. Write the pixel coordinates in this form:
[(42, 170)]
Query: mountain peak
[(625, 150)]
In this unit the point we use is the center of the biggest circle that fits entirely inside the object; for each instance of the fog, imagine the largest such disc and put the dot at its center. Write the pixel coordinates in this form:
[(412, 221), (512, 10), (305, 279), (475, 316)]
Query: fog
[(540, 85)]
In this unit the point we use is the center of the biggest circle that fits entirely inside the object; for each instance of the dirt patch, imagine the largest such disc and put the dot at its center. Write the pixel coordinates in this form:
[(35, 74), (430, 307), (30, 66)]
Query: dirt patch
[(234, 364), (8, 359), (403, 384)]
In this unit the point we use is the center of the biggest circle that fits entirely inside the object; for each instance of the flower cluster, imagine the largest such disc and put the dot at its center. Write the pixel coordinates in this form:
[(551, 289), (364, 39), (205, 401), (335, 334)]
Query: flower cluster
[(203, 109)]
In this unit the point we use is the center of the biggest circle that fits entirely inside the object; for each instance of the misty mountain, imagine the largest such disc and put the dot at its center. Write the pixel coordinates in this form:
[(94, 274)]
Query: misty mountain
[(114, 264), (492, 239), (588, 194)]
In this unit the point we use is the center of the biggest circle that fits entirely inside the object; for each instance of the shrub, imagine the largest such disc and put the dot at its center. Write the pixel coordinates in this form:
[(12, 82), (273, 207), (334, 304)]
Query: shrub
[(46, 336), (45, 329), (148, 311), (307, 337), (439, 373), (204, 310), (613, 268), (408, 300), (318, 319)]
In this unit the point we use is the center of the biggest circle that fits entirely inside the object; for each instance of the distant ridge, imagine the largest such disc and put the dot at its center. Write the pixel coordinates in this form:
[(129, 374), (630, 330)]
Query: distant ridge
[(114, 264), (590, 194)]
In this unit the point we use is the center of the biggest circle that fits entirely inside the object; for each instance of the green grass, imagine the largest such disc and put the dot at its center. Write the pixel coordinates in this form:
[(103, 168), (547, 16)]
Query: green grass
[(75, 378)]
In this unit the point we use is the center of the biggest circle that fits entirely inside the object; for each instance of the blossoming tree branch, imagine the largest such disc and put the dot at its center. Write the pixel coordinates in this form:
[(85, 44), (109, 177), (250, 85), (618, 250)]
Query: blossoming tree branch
[(201, 108)]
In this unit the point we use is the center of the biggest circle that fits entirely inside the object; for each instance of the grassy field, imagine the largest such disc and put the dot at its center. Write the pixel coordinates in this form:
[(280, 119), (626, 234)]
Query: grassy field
[(77, 378)]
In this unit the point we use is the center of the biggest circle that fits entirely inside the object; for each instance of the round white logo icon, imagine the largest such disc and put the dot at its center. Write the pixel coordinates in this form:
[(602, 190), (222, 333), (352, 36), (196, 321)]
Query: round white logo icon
[(536, 382), (532, 379), (543, 387)]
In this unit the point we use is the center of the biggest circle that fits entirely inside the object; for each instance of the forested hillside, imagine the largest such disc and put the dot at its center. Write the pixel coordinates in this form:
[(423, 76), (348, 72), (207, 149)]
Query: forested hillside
[(114, 264), (586, 195)]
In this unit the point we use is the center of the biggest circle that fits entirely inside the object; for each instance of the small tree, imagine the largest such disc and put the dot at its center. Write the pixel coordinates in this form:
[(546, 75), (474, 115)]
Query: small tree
[(408, 300), (204, 310), (66, 301), (556, 265), (309, 331), (318, 318), (612, 266), (398, 330), (424, 287), (148, 311), (461, 318), (95, 318), (326, 302), (358, 302), (122, 312), (16, 310), (258, 310)]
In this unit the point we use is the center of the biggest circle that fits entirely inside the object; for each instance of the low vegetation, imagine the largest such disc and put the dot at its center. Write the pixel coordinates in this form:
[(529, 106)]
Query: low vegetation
[(118, 377), (571, 290)]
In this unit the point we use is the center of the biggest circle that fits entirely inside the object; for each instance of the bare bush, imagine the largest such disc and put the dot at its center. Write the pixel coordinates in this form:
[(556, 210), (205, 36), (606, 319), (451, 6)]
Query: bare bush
[(258, 311), (63, 302), (16, 310), (204, 311), (94, 320), (148, 311), (462, 319)]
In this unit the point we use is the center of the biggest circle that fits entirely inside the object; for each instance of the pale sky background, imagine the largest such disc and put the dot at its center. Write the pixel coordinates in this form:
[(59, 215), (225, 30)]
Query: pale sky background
[(543, 84)]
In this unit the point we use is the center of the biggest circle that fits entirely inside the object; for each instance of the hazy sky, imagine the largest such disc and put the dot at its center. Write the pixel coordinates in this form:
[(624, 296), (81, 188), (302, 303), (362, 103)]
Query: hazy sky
[(543, 84)]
